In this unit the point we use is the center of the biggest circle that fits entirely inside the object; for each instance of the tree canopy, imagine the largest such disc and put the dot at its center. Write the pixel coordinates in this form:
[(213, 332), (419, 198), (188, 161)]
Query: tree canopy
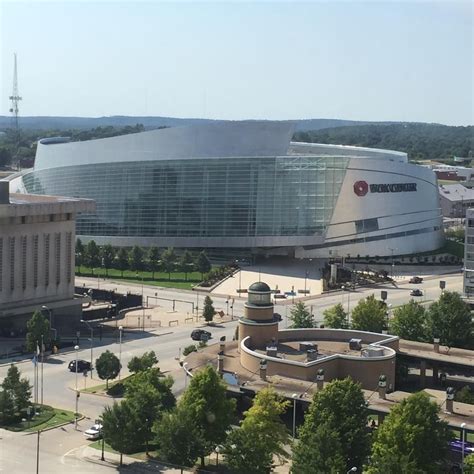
[(409, 322), (208, 310), (144, 362), (339, 408), (37, 329), (369, 315), (300, 316), (261, 436), (335, 317), (107, 366), (450, 319), (203, 263), (17, 391), (411, 424), (210, 411)]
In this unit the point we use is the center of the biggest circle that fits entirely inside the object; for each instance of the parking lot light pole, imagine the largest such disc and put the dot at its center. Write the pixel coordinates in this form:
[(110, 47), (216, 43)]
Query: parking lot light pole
[(76, 348), (92, 340), (120, 350), (463, 443), (294, 396)]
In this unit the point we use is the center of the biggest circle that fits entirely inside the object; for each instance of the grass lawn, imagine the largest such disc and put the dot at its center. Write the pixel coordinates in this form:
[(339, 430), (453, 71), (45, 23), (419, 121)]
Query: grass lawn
[(98, 445), (101, 389), (175, 280), (48, 417)]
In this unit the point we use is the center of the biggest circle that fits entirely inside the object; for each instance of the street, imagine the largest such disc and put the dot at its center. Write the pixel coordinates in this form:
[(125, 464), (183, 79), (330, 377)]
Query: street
[(60, 449)]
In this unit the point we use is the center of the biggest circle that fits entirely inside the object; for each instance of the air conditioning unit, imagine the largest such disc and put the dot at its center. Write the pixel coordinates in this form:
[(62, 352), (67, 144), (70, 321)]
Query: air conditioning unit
[(373, 351)]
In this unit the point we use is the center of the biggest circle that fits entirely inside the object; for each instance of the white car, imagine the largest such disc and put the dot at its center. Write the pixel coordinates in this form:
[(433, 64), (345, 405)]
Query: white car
[(94, 432)]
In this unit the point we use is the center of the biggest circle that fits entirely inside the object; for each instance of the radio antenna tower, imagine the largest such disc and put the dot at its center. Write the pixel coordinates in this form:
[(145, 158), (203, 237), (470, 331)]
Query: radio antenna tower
[(15, 98)]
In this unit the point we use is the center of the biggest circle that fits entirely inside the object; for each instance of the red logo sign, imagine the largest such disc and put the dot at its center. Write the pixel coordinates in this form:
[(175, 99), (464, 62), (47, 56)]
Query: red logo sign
[(361, 188)]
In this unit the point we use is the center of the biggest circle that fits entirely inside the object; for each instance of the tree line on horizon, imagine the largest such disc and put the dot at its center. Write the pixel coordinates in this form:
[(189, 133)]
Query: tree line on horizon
[(422, 141)]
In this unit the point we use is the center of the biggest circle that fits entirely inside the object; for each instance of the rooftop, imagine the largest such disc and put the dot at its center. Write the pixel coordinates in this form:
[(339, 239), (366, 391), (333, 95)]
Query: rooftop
[(456, 192)]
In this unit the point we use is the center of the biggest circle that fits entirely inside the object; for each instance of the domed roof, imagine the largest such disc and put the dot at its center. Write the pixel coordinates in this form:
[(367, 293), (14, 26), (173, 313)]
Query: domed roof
[(259, 286)]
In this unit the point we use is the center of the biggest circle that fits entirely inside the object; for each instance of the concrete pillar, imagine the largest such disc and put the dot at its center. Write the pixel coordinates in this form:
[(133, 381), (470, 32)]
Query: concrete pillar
[(423, 374), (220, 363), (320, 379), (222, 346), (436, 344), (450, 399), (382, 387), (263, 369), (435, 374)]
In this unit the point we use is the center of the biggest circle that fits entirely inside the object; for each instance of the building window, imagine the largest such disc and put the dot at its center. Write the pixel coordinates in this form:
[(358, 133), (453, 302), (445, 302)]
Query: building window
[(35, 260), (12, 263), (46, 260), (23, 261), (367, 225), (57, 256), (470, 222), (470, 240), (69, 256)]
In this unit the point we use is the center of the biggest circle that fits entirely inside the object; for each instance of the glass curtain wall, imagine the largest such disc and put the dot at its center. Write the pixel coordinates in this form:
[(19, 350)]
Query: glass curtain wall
[(260, 196)]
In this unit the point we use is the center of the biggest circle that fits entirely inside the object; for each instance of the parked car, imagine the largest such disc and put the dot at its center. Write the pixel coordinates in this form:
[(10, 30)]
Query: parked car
[(200, 335), (94, 432), (82, 365), (416, 292), (282, 296), (416, 280)]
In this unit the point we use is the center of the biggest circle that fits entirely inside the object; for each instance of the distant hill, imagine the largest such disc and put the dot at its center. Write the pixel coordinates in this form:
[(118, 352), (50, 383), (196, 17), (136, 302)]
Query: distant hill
[(86, 123), (420, 140)]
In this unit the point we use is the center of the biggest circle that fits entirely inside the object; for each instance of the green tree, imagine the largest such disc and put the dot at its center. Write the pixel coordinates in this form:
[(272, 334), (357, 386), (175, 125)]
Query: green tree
[(469, 464), (340, 407), (410, 424), (450, 319), (178, 439), (208, 310), (122, 260), (92, 255), (369, 315), (210, 410), (168, 260), (154, 260), (7, 407), (149, 397), (203, 264), (186, 264), (119, 427), (409, 321), (135, 258), (38, 330), (465, 395), (261, 436), (324, 453), (107, 254), (300, 316), (144, 362), (17, 389), (335, 317), (79, 254), (107, 366)]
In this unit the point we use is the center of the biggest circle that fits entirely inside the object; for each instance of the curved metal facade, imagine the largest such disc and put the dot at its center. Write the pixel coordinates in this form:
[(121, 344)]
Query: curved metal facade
[(241, 184)]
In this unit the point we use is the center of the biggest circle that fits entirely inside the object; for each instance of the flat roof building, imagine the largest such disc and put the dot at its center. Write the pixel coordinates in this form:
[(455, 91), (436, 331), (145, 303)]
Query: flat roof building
[(455, 200), (37, 246)]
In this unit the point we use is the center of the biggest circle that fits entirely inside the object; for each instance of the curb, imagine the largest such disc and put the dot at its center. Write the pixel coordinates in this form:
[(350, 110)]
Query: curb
[(53, 427)]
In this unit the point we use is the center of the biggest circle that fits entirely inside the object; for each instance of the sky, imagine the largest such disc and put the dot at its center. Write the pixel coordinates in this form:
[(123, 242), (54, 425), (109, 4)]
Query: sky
[(373, 60)]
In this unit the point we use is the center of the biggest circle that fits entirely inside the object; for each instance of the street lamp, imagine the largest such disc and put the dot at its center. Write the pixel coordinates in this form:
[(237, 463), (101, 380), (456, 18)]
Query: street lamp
[(143, 304), (463, 444), (352, 469), (102, 436), (76, 348), (217, 449), (294, 396), (92, 339), (120, 350)]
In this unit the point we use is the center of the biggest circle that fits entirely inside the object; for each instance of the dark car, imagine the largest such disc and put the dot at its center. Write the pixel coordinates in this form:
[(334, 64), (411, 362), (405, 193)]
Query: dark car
[(82, 365), (416, 280), (416, 292), (200, 335)]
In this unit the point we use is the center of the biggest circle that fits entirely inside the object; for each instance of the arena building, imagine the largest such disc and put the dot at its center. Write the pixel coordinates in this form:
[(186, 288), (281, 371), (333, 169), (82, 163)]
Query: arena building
[(243, 185)]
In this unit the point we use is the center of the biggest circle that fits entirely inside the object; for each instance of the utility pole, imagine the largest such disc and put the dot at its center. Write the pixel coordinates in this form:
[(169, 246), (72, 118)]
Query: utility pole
[(14, 109)]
